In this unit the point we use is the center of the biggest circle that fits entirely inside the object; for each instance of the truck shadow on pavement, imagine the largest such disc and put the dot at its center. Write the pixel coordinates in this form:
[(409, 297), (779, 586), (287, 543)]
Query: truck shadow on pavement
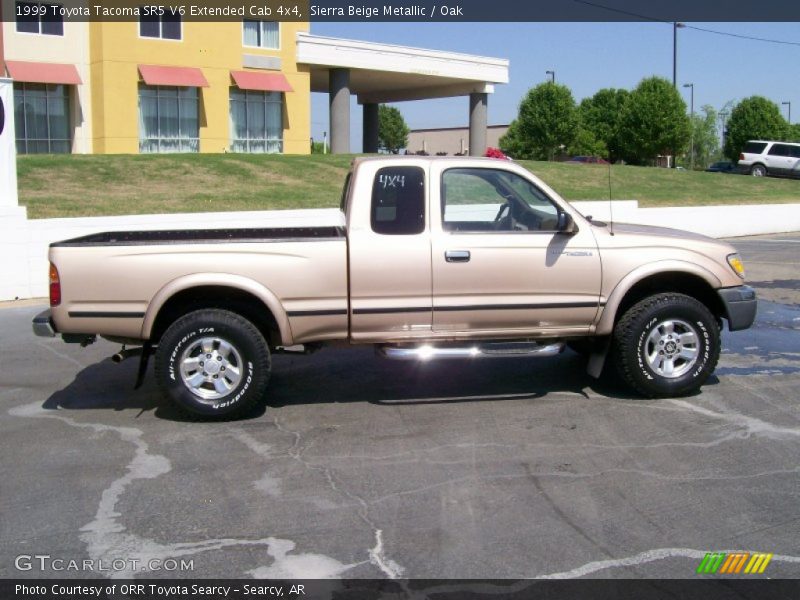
[(357, 375)]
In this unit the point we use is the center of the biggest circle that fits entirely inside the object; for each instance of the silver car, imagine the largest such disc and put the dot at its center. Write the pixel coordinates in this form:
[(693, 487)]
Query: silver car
[(761, 158)]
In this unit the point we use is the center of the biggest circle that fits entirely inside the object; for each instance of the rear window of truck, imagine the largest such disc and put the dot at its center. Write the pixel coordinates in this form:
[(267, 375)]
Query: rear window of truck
[(398, 201)]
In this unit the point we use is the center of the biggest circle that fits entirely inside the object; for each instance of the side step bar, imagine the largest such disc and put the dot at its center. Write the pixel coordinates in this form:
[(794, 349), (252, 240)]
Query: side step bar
[(493, 350)]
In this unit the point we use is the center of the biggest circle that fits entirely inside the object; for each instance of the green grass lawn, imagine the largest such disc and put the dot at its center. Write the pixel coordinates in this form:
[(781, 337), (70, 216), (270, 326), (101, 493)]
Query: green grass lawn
[(91, 185)]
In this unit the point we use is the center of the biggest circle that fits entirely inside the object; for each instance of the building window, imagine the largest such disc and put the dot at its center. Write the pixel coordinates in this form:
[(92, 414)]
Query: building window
[(168, 119), (41, 112), (44, 19), (165, 27), (261, 34), (256, 121)]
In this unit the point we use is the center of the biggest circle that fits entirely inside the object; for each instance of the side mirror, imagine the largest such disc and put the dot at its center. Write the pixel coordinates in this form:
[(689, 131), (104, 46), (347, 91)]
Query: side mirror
[(566, 224)]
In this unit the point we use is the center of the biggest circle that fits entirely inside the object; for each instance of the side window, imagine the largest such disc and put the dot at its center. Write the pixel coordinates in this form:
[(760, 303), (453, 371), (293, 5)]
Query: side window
[(795, 151), (494, 200), (166, 26), (44, 19), (398, 201), (779, 150), (754, 147)]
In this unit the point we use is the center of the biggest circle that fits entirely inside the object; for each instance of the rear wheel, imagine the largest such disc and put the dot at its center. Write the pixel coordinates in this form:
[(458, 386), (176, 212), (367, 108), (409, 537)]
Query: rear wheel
[(758, 171), (213, 363), (666, 345)]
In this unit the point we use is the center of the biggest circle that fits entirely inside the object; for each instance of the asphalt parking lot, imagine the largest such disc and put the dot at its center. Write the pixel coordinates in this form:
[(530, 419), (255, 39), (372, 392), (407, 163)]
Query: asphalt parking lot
[(361, 467)]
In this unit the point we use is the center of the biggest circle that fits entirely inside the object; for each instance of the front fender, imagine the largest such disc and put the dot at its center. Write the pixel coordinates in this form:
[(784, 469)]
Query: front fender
[(239, 282), (606, 323)]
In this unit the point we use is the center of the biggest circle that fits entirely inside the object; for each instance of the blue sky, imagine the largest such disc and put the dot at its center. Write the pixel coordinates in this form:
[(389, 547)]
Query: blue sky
[(587, 57)]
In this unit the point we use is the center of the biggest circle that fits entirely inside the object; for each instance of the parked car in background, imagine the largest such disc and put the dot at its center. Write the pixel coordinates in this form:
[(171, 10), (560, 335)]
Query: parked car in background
[(586, 160), (722, 166), (761, 158)]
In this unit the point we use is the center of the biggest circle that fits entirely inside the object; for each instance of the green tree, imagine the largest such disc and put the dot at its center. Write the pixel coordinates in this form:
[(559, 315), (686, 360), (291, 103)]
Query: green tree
[(600, 115), (511, 142), (392, 129), (654, 122), (586, 144), (547, 120), (704, 137), (794, 133), (754, 118)]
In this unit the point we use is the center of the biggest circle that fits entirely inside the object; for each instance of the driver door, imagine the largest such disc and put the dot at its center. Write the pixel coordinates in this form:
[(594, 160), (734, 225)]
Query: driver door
[(499, 263)]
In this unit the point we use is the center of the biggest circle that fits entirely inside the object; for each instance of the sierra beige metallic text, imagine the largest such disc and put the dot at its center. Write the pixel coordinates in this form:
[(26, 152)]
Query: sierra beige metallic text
[(431, 258)]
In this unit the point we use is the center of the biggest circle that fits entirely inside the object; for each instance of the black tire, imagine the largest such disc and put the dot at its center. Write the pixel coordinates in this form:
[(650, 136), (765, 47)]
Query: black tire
[(235, 377), (758, 170), (650, 340)]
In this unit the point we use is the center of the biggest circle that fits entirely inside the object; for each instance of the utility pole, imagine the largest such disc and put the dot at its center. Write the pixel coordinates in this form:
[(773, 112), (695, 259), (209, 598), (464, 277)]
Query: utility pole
[(789, 104)]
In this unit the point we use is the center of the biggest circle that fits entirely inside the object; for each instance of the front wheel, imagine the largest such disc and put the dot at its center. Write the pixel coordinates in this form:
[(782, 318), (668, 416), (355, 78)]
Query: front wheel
[(666, 345), (213, 363)]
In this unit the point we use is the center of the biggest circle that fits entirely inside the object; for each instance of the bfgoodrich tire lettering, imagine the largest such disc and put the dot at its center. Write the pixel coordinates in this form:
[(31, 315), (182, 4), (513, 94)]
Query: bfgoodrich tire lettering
[(666, 345), (213, 363)]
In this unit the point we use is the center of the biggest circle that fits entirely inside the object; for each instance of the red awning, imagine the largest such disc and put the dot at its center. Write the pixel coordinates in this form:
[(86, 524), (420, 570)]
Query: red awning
[(263, 82), (178, 76), (37, 72)]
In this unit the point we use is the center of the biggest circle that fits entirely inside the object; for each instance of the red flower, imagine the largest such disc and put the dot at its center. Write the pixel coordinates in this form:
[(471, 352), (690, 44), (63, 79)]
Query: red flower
[(495, 153)]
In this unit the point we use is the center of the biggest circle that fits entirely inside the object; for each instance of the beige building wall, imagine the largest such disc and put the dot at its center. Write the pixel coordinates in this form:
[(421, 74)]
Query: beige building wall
[(70, 48), (450, 140)]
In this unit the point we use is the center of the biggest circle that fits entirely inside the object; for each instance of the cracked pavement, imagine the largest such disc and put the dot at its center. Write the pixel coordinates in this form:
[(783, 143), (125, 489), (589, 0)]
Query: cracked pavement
[(361, 467)]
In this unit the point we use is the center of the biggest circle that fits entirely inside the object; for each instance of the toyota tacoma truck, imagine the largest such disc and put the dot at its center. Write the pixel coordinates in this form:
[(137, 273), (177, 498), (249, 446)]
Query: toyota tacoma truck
[(429, 258)]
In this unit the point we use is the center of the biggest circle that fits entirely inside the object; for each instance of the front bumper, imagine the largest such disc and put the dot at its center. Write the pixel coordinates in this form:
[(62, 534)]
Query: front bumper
[(740, 306), (43, 324)]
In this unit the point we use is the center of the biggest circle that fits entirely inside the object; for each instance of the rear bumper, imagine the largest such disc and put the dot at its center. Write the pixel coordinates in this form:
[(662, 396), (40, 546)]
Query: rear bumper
[(740, 306), (43, 324)]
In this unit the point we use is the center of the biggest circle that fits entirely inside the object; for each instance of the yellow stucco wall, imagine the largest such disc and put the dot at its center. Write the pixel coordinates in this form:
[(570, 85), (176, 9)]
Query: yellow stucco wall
[(116, 50)]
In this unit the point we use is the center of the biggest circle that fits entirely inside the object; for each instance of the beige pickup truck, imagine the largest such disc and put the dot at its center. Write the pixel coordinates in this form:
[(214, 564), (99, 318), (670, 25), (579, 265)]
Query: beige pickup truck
[(431, 258)]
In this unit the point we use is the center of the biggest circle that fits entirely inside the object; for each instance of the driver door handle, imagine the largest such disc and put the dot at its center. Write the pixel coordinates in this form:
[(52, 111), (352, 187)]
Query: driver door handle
[(456, 255)]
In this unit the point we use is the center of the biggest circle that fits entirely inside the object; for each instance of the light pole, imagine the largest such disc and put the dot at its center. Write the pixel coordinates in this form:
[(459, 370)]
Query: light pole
[(552, 75), (675, 27), (789, 104), (691, 159)]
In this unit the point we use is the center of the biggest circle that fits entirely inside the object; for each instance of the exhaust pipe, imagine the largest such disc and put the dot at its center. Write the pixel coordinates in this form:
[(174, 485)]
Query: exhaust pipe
[(494, 350), (125, 353)]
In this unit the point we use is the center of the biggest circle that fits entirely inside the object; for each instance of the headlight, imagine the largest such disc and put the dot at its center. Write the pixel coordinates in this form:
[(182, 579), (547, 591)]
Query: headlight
[(736, 264)]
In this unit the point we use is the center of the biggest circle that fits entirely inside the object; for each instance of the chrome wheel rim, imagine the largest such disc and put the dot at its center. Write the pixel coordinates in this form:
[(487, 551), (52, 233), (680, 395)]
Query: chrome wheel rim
[(672, 348), (211, 368)]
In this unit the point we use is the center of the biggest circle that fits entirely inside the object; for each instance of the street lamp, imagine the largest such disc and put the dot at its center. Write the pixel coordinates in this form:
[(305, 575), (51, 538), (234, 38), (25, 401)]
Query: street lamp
[(789, 104), (691, 85), (552, 75), (675, 27)]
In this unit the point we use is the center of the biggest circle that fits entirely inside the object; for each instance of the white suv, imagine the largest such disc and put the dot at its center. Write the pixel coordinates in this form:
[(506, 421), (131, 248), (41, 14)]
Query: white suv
[(760, 158)]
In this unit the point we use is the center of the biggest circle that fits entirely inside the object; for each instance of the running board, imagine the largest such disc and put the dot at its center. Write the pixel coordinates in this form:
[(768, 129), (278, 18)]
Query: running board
[(493, 350)]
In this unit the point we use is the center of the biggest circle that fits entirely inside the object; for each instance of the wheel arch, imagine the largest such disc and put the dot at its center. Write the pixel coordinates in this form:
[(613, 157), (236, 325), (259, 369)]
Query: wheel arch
[(238, 294), (680, 277)]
